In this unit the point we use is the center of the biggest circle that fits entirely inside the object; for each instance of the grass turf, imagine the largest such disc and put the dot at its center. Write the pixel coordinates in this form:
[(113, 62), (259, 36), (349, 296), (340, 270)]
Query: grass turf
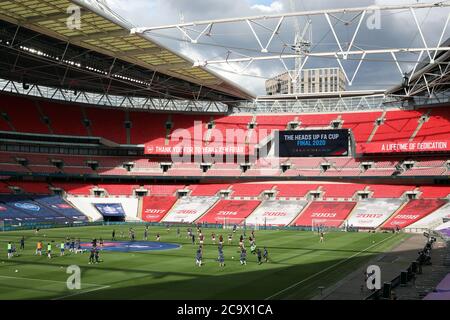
[(298, 265)]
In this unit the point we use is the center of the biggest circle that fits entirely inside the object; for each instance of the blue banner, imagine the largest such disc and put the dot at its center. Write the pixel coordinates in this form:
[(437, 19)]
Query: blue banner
[(110, 209)]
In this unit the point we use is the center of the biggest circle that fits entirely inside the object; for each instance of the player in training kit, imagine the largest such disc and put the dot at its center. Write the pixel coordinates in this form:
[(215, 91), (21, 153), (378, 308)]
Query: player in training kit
[(79, 247), (253, 248), (220, 240), (221, 259), (94, 243), (39, 248), (62, 248), (230, 239), (266, 255), (10, 252), (92, 256), (49, 250), (241, 241), (200, 238), (322, 239), (158, 237), (193, 238), (101, 243), (22, 243), (234, 228), (259, 255), (145, 233), (178, 232), (243, 259), (198, 257), (213, 238), (113, 236), (97, 256), (72, 245)]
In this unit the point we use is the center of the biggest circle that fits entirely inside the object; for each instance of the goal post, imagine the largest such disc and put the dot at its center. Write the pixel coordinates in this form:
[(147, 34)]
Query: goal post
[(229, 223), (319, 225)]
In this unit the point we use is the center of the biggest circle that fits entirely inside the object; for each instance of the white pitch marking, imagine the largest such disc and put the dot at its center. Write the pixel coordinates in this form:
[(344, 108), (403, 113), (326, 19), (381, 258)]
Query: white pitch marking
[(330, 267)]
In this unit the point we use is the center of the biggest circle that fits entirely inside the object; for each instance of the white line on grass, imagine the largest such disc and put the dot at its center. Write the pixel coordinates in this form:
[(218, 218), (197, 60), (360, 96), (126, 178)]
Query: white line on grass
[(97, 286), (80, 292), (330, 267), (46, 280)]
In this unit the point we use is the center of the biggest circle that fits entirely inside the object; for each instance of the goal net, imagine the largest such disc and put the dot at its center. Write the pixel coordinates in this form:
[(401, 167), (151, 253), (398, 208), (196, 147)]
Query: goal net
[(238, 223), (321, 225)]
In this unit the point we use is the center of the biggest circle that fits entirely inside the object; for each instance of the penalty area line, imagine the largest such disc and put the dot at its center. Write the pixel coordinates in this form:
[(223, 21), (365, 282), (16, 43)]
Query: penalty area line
[(324, 270)]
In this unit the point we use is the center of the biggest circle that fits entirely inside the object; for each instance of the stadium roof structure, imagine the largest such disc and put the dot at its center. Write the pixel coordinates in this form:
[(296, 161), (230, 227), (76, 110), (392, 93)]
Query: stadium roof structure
[(100, 55), (267, 46), (427, 79)]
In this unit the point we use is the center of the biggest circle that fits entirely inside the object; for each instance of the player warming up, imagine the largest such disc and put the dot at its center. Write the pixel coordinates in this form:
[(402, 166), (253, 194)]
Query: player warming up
[(243, 259), (198, 257)]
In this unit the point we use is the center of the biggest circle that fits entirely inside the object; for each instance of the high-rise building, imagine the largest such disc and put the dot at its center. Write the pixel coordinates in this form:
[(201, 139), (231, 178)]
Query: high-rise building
[(311, 81)]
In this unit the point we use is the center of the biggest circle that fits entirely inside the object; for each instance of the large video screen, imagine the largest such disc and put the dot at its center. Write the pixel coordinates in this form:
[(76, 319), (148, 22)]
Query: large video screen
[(312, 143), (110, 209)]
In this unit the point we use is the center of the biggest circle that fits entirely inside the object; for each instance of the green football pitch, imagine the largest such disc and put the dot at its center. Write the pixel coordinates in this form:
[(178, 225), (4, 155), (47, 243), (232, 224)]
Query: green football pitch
[(298, 265)]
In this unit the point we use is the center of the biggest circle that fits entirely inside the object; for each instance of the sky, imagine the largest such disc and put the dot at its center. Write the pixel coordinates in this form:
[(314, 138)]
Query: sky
[(391, 29)]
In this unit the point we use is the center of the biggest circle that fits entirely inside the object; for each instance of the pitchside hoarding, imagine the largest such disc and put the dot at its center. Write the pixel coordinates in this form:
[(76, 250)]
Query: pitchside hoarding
[(312, 143)]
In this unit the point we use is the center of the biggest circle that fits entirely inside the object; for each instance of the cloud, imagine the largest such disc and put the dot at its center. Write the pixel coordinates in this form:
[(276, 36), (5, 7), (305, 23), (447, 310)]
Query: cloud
[(397, 30), (274, 7)]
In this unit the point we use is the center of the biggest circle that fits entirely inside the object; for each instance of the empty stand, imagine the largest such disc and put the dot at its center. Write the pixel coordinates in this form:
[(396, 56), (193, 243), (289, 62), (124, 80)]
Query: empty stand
[(295, 190), (341, 190), (434, 219), (74, 188), (276, 212), (389, 191), (249, 190), (119, 189), (398, 126), (113, 129), (207, 189), (23, 114), (154, 208), (33, 187), (189, 209), (434, 191), (163, 190), (229, 212), (413, 211), (325, 213), (371, 213)]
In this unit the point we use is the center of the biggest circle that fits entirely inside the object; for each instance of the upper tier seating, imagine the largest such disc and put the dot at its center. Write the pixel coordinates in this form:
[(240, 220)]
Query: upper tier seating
[(398, 126), (49, 117), (112, 127), (437, 127), (23, 114)]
